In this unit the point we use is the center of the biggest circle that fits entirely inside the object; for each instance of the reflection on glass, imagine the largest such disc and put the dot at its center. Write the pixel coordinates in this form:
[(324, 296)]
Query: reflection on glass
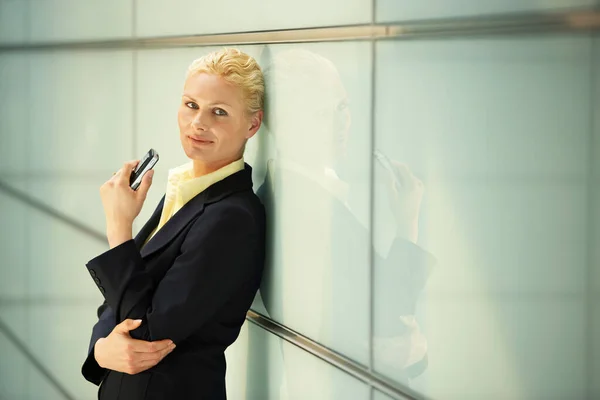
[(264, 367), (499, 131), (394, 11), (377, 395), (317, 278), (399, 345)]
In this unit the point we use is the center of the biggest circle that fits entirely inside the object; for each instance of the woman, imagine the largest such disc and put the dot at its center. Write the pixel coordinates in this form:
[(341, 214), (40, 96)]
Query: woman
[(176, 296)]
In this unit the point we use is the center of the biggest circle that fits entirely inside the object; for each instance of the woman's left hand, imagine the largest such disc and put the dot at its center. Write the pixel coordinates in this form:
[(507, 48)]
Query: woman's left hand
[(123, 204)]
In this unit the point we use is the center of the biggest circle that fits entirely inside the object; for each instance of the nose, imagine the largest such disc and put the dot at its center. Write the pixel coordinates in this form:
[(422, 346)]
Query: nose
[(200, 121)]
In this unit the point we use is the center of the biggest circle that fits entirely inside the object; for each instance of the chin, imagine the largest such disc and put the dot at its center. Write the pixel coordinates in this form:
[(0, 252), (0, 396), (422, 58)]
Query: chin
[(194, 154)]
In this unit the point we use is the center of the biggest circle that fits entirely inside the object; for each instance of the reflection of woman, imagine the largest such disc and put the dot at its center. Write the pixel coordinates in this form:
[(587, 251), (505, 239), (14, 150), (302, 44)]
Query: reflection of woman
[(190, 275), (312, 205)]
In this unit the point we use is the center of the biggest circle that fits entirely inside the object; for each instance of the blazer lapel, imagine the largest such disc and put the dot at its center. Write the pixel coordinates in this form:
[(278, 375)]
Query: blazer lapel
[(149, 226), (239, 181)]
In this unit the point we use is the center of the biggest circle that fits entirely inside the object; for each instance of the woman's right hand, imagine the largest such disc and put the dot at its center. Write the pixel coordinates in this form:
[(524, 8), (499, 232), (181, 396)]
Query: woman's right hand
[(120, 352), (405, 194)]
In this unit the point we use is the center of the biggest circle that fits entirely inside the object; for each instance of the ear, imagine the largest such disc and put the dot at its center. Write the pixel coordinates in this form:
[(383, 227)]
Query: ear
[(255, 122)]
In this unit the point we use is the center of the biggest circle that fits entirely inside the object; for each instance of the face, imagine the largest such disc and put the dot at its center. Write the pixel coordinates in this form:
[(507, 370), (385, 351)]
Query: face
[(214, 124), (319, 135)]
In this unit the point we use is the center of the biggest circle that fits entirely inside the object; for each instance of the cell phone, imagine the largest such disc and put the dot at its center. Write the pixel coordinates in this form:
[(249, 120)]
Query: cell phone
[(146, 164), (387, 164)]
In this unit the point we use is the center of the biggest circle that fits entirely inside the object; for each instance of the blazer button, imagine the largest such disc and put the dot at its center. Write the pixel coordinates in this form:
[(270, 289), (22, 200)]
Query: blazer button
[(102, 290), (92, 273), (97, 280)]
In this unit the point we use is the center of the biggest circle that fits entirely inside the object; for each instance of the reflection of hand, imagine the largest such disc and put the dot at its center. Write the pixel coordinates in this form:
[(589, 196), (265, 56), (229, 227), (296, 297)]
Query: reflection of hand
[(405, 194), (399, 352)]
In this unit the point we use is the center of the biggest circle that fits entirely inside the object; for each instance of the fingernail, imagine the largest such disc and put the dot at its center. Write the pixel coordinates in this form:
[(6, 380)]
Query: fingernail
[(137, 320)]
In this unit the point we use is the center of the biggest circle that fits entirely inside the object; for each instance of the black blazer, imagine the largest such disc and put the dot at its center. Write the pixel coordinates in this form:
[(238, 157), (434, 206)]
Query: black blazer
[(193, 283)]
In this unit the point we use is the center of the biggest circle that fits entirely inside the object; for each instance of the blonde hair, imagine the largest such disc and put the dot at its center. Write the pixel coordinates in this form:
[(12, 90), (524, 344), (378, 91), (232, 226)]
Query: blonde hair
[(237, 68)]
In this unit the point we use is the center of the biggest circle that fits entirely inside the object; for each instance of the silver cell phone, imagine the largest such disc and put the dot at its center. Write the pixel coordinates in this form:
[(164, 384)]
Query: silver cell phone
[(387, 164), (146, 164)]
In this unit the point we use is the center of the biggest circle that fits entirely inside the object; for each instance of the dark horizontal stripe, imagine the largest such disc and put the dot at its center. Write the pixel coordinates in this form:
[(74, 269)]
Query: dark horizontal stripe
[(575, 20)]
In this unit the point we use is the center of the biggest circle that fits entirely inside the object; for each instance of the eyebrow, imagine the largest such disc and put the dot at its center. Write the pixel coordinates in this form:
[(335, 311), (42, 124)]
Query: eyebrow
[(212, 104)]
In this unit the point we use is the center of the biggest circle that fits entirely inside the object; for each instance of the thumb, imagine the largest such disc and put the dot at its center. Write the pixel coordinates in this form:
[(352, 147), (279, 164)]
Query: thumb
[(129, 325), (145, 185)]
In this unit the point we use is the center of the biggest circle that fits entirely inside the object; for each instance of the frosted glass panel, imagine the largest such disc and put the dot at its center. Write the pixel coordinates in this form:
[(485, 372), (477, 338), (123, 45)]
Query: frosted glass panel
[(38, 387), (83, 112), (261, 366), (74, 20), (57, 260), (380, 396), (481, 216), (316, 192), (595, 206), (13, 246), (394, 10), (186, 17), (77, 198), (596, 109), (63, 346), (14, 113), (13, 365), (14, 21)]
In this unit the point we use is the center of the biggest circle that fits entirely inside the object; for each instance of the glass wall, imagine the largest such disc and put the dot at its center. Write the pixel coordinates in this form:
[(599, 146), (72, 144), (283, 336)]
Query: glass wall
[(433, 204), (494, 135)]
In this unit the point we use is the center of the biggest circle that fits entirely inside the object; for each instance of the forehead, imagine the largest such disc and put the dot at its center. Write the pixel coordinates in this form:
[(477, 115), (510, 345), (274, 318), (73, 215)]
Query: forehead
[(210, 87)]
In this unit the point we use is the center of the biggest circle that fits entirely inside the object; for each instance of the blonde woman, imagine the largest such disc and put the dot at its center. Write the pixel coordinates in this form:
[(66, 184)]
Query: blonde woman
[(176, 295)]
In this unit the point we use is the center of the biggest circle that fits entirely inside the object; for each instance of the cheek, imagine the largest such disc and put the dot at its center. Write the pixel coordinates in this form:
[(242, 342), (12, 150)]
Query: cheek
[(180, 118), (226, 128), (184, 115)]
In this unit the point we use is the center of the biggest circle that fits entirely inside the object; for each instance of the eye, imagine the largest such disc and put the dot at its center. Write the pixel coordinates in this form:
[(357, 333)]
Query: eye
[(342, 105), (220, 111), (193, 107)]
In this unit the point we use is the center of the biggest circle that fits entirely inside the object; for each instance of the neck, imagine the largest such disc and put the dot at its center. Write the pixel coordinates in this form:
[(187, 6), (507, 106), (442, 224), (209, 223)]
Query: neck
[(202, 168)]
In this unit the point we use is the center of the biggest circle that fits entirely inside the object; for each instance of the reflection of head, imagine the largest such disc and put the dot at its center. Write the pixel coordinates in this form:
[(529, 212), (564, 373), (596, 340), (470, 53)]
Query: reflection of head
[(307, 106), (237, 68)]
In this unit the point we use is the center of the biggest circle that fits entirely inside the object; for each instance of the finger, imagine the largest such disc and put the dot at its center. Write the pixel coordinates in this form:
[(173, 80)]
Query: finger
[(144, 365), (114, 176), (142, 346), (145, 185), (419, 183), (156, 356), (402, 174), (125, 172), (167, 351), (128, 325)]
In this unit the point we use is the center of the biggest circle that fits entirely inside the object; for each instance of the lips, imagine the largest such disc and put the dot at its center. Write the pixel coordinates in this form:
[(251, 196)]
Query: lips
[(200, 140)]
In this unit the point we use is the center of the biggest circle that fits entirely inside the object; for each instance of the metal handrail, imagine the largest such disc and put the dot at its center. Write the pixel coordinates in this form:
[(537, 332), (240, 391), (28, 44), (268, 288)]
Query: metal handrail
[(333, 358), (572, 20)]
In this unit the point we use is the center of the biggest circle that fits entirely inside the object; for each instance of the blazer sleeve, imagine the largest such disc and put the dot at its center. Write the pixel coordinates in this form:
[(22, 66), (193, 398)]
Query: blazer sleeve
[(106, 322), (400, 277), (217, 258)]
